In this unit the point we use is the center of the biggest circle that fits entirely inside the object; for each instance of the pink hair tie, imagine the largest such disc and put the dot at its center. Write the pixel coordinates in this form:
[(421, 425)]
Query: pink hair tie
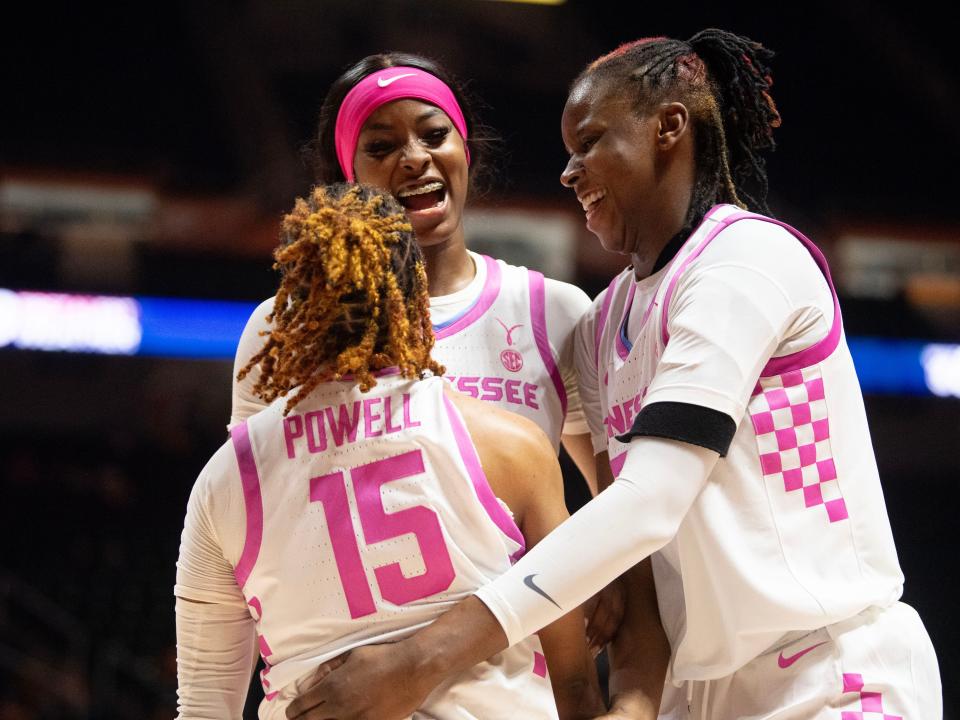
[(381, 87)]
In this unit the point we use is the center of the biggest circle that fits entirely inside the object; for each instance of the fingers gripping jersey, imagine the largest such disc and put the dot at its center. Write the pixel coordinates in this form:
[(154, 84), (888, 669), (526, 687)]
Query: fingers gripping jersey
[(499, 351), (368, 515), (791, 532)]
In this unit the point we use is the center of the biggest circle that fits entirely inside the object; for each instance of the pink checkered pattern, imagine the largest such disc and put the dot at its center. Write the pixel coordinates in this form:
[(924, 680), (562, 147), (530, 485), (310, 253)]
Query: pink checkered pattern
[(789, 417), (871, 703)]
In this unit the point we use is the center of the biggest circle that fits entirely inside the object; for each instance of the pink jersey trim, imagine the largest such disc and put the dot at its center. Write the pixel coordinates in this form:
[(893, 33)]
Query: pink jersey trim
[(538, 316), (488, 500), (252, 500), (601, 321), (491, 289), (779, 365)]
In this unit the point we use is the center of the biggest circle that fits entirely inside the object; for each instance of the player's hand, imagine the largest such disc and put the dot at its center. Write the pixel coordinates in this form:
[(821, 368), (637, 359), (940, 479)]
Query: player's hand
[(604, 613), (374, 682)]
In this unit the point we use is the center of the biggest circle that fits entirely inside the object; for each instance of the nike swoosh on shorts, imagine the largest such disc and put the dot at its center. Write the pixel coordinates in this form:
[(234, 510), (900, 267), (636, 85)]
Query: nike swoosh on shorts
[(785, 662)]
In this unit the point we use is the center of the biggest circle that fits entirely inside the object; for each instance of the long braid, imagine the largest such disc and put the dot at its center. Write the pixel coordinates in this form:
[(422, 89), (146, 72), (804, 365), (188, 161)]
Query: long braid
[(352, 298), (724, 80)]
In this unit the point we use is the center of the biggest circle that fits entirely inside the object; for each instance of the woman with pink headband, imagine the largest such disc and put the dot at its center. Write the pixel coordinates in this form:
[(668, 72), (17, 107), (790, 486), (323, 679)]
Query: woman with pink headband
[(503, 333)]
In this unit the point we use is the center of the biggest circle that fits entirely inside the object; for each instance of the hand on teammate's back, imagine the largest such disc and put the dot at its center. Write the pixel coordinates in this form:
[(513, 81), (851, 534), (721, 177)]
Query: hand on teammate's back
[(374, 681)]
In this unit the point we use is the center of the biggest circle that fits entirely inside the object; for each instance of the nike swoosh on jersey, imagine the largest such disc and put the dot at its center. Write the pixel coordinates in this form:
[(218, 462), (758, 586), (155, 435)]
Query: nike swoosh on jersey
[(383, 82), (528, 581), (785, 662)]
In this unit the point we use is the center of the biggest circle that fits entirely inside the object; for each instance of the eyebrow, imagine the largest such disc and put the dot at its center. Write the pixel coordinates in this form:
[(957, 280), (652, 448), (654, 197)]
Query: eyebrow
[(426, 115)]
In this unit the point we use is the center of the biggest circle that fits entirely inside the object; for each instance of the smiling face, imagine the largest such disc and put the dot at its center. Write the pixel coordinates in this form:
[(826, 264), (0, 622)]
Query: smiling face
[(412, 149), (613, 163)]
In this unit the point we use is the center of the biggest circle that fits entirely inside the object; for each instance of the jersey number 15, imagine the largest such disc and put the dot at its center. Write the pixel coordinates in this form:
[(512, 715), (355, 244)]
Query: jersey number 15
[(378, 525)]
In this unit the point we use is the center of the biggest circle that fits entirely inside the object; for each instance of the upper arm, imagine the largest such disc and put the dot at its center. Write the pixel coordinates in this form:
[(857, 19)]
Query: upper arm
[(523, 470), (585, 362), (750, 295), (572, 671), (243, 401), (565, 305)]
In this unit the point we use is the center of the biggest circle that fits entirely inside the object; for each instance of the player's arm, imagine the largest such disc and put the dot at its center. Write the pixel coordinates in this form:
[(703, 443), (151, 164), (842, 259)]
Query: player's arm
[(566, 305), (215, 632), (522, 469), (580, 450)]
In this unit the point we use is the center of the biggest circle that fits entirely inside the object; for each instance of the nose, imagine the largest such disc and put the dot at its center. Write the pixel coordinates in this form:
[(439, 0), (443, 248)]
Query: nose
[(414, 157), (571, 173)]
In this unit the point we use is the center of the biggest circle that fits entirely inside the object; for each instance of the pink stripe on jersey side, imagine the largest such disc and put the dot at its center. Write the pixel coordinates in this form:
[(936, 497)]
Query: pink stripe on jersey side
[(602, 320), (538, 316), (617, 463), (622, 350), (795, 361), (539, 664), (491, 289), (488, 500), (252, 500), (664, 335)]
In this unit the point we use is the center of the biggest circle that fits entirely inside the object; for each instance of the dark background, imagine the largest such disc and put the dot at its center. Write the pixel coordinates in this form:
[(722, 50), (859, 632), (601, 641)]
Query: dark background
[(209, 104)]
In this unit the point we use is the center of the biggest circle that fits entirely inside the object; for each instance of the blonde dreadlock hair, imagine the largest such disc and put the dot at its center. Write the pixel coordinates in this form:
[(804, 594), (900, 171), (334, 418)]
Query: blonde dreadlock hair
[(352, 298)]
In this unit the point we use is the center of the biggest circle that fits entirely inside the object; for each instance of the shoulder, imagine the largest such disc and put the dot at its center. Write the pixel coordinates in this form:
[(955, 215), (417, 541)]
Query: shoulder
[(219, 472), (759, 244), (511, 447), (565, 296), (258, 318)]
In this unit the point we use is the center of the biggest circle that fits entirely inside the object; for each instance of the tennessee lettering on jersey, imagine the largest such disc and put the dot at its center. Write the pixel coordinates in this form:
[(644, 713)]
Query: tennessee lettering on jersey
[(499, 351), (620, 417), (375, 416), (497, 389)]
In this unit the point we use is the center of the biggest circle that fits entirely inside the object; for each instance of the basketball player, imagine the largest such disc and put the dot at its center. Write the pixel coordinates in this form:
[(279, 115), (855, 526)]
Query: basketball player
[(720, 386), (368, 497), (504, 333)]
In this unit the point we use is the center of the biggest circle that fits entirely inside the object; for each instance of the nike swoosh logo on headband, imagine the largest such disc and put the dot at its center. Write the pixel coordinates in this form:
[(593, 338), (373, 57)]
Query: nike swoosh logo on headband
[(383, 82)]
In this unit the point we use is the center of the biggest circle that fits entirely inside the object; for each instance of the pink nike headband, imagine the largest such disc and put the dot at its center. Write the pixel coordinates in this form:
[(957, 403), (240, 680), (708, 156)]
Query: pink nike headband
[(385, 86)]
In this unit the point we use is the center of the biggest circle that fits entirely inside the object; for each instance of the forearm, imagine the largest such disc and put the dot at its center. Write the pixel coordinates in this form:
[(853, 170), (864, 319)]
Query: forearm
[(215, 653), (636, 516), (640, 652), (459, 639)]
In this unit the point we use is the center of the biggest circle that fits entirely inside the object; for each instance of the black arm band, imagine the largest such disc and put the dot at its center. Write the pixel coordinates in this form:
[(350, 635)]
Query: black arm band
[(688, 423)]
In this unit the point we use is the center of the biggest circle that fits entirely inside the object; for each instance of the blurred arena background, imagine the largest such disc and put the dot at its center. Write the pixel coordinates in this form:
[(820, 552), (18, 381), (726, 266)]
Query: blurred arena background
[(148, 151)]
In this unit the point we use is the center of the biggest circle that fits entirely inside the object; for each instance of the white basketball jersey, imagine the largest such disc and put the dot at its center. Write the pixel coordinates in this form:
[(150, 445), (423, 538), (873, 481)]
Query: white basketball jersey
[(791, 531), (499, 351), (368, 515)]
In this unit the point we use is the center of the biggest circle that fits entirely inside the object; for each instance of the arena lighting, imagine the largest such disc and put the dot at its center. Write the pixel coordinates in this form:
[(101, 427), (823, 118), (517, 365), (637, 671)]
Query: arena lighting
[(210, 329)]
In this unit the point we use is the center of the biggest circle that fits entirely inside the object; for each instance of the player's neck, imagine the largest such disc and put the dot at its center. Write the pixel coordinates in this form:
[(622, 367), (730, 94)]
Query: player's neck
[(449, 267)]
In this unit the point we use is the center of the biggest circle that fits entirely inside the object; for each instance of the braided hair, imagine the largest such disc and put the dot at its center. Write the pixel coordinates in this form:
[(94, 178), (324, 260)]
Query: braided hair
[(724, 80), (352, 298)]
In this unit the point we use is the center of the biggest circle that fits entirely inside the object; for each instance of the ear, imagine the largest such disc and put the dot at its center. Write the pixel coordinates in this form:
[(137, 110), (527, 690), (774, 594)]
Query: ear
[(673, 124)]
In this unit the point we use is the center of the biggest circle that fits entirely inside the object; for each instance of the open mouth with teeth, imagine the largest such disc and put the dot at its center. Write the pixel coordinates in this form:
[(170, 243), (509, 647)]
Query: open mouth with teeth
[(424, 197), (591, 200)]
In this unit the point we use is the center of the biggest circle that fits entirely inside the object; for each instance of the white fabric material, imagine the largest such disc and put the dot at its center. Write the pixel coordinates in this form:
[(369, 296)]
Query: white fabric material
[(753, 296), (376, 518), (782, 539), (565, 305), (639, 513), (815, 676), (216, 652)]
